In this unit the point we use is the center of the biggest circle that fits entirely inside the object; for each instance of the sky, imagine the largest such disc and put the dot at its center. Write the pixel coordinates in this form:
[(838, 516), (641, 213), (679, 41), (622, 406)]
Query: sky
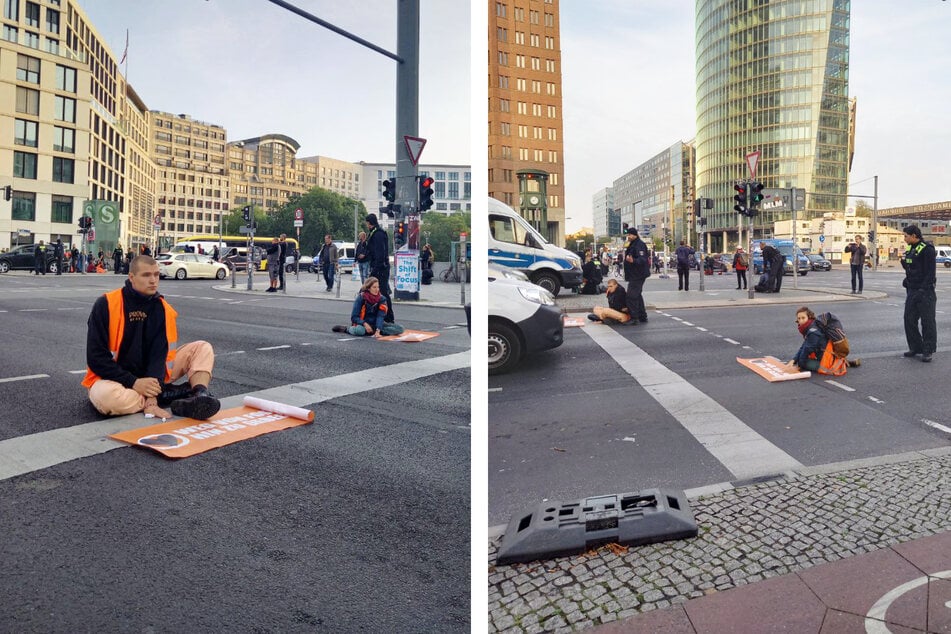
[(256, 68), (628, 72)]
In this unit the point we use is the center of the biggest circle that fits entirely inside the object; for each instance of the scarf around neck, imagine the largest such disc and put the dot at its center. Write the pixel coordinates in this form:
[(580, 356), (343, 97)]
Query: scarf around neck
[(804, 327)]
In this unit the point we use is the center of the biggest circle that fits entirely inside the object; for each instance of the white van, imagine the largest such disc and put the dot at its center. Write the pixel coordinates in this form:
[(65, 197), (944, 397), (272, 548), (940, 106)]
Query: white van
[(943, 252), (523, 319), (513, 242)]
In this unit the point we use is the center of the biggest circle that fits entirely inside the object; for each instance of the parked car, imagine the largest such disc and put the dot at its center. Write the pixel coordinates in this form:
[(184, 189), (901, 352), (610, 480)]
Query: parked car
[(306, 264), (818, 263), (184, 265), (237, 257), (943, 260), (21, 259)]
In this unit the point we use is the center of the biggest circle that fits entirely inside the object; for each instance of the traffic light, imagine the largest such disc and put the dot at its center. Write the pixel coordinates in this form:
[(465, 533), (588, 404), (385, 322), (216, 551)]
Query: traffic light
[(389, 190), (742, 198), (85, 224), (871, 236), (756, 197), (425, 193), (400, 234), (8, 192), (246, 213)]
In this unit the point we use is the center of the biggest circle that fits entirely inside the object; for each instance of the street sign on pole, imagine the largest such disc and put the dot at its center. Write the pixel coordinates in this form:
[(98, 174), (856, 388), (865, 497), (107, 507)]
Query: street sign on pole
[(414, 147), (751, 160)]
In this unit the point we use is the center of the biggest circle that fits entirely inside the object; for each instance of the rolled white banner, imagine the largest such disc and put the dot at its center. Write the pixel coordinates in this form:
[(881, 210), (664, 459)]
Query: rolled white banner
[(279, 408)]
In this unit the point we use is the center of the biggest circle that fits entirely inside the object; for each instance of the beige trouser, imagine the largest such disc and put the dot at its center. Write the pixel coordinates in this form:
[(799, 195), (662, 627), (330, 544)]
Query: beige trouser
[(602, 312), (112, 398)]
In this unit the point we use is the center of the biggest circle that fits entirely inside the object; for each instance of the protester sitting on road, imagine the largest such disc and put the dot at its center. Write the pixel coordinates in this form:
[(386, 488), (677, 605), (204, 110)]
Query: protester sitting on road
[(616, 312), (809, 355), (132, 356), (369, 311)]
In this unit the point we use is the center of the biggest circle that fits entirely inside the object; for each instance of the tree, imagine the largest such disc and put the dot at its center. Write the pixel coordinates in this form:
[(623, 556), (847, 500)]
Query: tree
[(443, 230)]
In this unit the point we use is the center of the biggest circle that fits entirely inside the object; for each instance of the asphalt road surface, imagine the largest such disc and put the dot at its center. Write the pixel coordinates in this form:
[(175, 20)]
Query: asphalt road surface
[(620, 409), (358, 522)]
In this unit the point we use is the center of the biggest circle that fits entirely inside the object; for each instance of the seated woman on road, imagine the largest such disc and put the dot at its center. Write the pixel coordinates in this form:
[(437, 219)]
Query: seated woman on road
[(616, 312), (369, 309), (814, 343)]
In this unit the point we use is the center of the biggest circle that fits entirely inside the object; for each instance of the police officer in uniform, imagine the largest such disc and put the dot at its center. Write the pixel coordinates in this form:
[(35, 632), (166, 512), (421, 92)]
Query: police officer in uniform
[(920, 298), (637, 268), (58, 254), (39, 259)]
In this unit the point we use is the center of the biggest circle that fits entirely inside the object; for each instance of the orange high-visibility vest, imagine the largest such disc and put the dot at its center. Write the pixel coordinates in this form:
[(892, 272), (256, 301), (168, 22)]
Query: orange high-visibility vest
[(117, 327)]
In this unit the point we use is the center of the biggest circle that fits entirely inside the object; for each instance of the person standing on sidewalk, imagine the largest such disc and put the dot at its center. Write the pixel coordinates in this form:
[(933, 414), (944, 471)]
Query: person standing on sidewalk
[(773, 263), (378, 250), (637, 268), (282, 260), (132, 357), (857, 261), (684, 253), (117, 260), (58, 254), (273, 264), (740, 264), (328, 261), (920, 298), (362, 256)]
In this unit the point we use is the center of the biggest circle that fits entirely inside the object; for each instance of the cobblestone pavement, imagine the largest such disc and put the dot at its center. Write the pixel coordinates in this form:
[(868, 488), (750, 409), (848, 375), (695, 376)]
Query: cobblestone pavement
[(747, 534)]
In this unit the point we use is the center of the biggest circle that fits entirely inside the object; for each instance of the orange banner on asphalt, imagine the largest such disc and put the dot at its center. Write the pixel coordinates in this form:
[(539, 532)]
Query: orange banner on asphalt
[(411, 336), (186, 436), (772, 369), (572, 322)]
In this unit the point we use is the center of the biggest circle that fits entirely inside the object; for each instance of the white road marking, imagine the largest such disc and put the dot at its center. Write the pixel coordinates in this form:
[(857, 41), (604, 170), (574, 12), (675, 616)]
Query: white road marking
[(222, 354), (495, 389), (451, 327), (701, 329), (876, 400), (677, 318), (840, 385), (77, 372), (728, 340), (76, 308), (273, 347), (687, 323), (740, 449), (32, 310), (25, 454), (628, 439), (26, 378), (939, 426)]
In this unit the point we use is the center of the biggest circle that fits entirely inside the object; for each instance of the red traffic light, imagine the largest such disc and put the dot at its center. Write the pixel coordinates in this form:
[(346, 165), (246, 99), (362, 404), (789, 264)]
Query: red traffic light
[(427, 182), (740, 187)]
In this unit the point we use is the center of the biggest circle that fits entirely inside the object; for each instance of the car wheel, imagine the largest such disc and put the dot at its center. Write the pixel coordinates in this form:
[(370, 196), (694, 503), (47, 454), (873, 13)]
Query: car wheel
[(4, 266), (180, 274), (505, 348), (547, 281), (947, 265), (221, 274), (51, 267)]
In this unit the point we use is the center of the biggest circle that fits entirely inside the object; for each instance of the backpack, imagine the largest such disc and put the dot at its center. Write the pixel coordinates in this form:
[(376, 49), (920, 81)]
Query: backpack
[(742, 261), (832, 328)]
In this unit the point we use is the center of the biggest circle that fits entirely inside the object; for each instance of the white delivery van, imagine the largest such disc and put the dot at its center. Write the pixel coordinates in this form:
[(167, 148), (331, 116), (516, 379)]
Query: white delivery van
[(513, 242), (523, 319)]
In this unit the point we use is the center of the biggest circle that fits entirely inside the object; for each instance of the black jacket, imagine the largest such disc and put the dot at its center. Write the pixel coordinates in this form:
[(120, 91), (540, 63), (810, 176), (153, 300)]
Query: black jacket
[(379, 252), (919, 265), (771, 257), (640, 268), (618, 299), (144, 345), (362, 253)]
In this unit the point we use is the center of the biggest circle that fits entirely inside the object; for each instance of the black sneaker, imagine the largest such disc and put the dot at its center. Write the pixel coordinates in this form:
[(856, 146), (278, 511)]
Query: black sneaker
[(909, 353), (926, 357), (854, 363), (339, 329), (593, 317), (201, 405)]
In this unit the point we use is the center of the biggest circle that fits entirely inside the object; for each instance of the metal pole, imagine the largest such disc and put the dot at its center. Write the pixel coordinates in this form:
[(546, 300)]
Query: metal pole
[(250, 258), (874, 228), (751, 270), (407, 102), (795, 255)]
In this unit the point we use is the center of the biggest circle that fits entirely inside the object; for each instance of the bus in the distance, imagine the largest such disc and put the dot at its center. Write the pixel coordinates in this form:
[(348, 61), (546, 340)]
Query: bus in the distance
[(229, 246)]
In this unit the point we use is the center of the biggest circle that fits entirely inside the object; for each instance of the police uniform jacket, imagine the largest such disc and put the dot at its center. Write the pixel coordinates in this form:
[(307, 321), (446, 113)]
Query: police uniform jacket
[(919, 265)]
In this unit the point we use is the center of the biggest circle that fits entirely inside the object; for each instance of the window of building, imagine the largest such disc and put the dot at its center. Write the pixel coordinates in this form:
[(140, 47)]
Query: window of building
[(520, 61), (523, 131), (65, 78), (503, 82), (64, 109), (24, 165), (553, 179), (503, 58), (533, 17), (537, 109), (552, 156), (31, 39), (64, 139), (519, 14), (552, 112), (522, 107), (500, 9), (551, 89), (24, 206), (453, 190), (52, 46), (11, 10), (63, 170), (25, 133), (520, 84), (28, 69), (52, 21), (31, 14), (552, 134), (537, 132), (553, 201), (505, 129), (550, 21), (62, 209), (520, 37), (536, 63), (504, 105), (9, 33), (550, 65), (549, 42), (535, 40), (440, 189), (502, 34), (506, 152), (523, 154)]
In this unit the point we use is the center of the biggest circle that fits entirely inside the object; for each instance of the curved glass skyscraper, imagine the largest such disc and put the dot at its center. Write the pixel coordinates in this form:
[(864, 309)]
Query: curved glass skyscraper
[(772, 75)]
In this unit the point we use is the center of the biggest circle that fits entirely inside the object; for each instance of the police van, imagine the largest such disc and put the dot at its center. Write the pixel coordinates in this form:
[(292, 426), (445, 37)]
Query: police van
[(786, 248), (513, 242), (523, 319)]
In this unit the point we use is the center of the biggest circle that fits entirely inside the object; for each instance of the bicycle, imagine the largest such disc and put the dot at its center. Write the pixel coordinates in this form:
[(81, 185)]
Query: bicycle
[(450, 275)]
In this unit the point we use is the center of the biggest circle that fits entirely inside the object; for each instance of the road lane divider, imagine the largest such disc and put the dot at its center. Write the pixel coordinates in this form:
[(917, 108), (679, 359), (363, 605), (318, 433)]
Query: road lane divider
[(740, 449), (25, 454), (24, 378)]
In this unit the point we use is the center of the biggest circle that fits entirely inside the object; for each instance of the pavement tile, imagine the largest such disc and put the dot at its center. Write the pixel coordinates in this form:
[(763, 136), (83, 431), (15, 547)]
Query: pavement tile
[(929, 554), (844, 623), (939, 606), (671, 621), (854, 585), (785, 603)]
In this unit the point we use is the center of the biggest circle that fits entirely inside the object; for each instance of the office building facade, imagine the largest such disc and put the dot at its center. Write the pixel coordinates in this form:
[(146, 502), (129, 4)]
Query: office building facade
[(772, 77), (525, 105)]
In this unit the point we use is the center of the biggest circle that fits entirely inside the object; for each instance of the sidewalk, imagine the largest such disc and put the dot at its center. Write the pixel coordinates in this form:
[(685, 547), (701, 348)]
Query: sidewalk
[(857, 547), (720, 291)]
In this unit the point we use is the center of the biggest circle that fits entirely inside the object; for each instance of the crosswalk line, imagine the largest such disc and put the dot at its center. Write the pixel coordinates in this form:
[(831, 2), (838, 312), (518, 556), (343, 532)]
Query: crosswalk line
[(738, 447)]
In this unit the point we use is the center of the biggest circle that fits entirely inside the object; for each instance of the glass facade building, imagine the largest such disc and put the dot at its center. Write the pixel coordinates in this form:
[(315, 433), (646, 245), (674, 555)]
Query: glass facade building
[(772, 76)]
